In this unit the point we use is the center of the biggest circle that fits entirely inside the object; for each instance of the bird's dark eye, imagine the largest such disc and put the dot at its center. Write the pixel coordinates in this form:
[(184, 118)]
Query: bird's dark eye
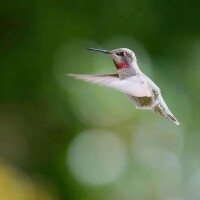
[(120, 53)]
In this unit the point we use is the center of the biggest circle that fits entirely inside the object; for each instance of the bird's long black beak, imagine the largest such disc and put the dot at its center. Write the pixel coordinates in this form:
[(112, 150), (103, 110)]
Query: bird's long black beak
[(100, 50)]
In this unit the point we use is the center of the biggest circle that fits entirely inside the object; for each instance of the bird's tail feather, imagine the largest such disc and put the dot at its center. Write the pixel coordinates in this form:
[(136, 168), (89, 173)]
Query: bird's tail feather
[(172, 118), (166, 113)]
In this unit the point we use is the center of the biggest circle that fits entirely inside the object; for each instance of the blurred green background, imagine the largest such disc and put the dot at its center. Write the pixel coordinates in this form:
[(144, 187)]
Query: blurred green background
[(65, 139)]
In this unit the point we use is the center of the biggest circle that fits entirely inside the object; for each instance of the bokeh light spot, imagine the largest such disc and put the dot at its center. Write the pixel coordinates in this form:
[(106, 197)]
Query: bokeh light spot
[(96, 157)]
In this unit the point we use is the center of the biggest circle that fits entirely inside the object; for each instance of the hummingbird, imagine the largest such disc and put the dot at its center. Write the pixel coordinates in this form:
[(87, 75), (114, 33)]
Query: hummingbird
[(131, 81)]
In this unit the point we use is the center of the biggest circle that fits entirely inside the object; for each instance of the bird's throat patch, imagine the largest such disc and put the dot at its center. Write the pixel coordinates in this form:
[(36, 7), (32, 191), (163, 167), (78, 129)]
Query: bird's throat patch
[(122, 65)]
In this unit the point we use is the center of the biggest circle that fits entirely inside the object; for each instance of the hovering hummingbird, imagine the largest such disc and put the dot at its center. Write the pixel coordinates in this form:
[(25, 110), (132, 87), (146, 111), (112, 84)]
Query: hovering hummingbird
[(132, 81)]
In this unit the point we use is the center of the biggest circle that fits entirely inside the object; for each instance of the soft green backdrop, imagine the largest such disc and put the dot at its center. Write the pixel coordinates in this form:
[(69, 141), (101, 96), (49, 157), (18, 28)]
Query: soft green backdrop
[(65, 139)]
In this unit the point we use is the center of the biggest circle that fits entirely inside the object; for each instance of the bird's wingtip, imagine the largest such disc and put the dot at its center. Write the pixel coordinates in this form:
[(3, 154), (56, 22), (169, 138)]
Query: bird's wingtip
[(73, 75), (69, 74), (76, 76)]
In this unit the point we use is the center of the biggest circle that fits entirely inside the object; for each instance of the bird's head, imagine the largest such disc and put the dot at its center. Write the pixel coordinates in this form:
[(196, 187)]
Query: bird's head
[(123, 57)]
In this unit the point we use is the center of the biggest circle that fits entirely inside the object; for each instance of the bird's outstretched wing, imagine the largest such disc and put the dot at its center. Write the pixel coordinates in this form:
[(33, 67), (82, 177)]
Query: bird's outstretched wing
[(134, 85)]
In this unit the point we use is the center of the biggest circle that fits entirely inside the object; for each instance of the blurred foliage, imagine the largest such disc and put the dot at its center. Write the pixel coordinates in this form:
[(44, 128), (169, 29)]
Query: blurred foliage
[(88, 142), (16, 185)]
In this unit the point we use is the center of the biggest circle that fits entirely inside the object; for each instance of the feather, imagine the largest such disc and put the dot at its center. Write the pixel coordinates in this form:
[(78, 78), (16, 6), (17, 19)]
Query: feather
[(134, 85)]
